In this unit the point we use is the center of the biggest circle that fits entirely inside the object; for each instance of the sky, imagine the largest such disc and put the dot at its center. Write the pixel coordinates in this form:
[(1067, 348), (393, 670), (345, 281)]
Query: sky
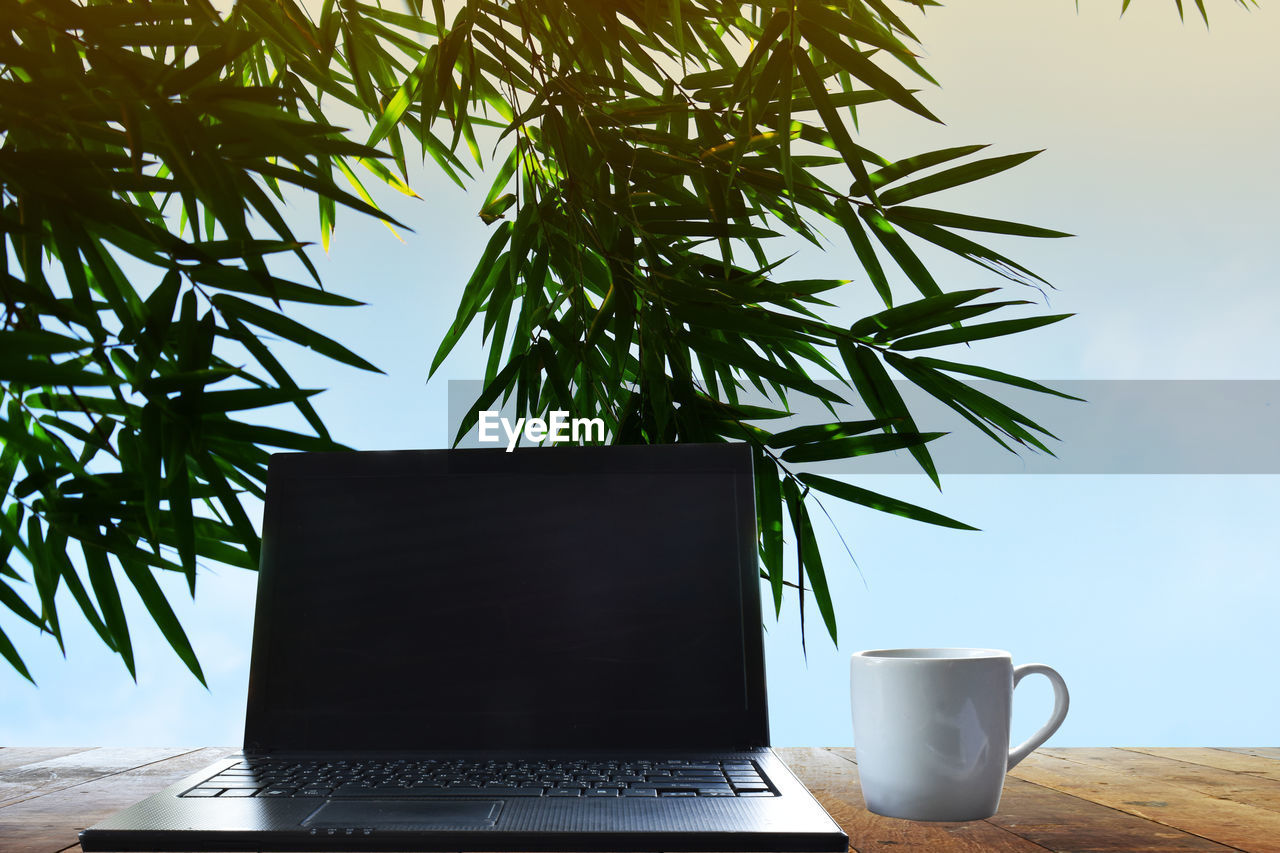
[(1153, 594)]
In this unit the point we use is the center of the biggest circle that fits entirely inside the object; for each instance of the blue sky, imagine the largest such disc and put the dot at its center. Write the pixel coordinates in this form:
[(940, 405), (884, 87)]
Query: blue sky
[(1153, 595)]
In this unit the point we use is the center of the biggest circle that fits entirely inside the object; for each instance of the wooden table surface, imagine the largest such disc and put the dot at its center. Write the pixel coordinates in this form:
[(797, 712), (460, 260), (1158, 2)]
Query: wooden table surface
[(1057, 799)]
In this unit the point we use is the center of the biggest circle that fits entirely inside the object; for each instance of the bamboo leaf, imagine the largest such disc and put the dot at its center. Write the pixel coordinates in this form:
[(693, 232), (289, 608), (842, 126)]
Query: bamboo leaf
[(290, 330), (883, 400), (108, 596), (855, 494), (993, 375), (472, 295), (864, 69), (744, 358), (822, 432), (845, 448), (900, 251), (851, 153), (910, 165), (158, 606), (10, 654), (979, 332), (769, 509), (971, 223), (931, 310), (862, 246), (954, 177)]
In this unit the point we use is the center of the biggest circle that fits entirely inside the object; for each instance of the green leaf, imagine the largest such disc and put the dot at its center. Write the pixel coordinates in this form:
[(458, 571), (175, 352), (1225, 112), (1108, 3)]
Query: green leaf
[(954, 177), (864, 69), (909, 165), (230, 501), (822, 432), (259, 351), (900, 251), (404, 97), (11, 655), (248, 398), (769, 511), (849, 151), (979, 332), (845, 448), (289, 329), (491, 392), (994, 375), (26, 371), (17, 606), (808, 558), (158, 606), (19, 344), (178, 489), (862, 246), (855, 494), (58, 541), (502, 178), (971, 223), (108, 596), (266, 286), (876, 389), (744, 358), (981, 410), (972, 251), (473, 294), (931, 309)]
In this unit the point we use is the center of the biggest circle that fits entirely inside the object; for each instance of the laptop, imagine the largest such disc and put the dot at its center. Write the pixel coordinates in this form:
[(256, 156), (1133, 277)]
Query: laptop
[(554, 648)]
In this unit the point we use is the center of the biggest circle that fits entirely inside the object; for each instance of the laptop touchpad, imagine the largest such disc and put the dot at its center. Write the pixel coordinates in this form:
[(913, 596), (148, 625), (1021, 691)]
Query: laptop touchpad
[(405, 815)]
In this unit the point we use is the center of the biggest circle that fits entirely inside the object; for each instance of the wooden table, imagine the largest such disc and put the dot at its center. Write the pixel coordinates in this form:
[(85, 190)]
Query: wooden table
[(1057, 799)]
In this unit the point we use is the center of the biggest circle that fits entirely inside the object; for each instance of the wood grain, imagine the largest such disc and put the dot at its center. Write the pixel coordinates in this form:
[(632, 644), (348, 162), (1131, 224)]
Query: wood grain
[(16, 756), (1064, 822), (1254, 765), (1264, 751), (1062, 800), (1235, 824), (831, 776), (1176, 768), (36, 778), (48, 822), (1055, 820)]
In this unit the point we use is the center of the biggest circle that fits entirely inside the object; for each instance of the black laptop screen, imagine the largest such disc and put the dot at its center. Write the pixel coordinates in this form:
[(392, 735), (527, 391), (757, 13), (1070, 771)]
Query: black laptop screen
[(549, 598)]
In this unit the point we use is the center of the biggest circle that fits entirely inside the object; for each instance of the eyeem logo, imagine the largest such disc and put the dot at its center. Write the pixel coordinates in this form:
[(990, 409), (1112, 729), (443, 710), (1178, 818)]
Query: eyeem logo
[(559, 427)]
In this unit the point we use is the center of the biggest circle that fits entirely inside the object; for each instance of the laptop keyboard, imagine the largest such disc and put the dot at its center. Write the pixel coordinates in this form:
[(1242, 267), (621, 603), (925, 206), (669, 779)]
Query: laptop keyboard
[(270, 777)]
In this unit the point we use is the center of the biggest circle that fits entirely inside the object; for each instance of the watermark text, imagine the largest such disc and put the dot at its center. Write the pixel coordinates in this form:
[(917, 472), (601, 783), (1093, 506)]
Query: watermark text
[(558, 427)]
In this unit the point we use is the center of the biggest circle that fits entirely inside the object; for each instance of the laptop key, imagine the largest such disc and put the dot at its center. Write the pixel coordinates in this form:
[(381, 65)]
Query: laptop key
[(601, 792), (313, 792), (563, 792), (640, 792), (203, 792)]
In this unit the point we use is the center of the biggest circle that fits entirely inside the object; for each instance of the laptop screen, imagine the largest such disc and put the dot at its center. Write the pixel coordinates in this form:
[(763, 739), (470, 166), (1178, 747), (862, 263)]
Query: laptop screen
[(602, 597)]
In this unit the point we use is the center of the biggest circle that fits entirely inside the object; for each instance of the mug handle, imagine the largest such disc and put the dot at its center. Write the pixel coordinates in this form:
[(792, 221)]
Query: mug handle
[(1061, 700)]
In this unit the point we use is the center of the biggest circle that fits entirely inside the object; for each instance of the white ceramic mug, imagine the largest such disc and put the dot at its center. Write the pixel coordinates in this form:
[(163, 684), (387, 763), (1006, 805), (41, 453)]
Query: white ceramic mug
[(931, 728)]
